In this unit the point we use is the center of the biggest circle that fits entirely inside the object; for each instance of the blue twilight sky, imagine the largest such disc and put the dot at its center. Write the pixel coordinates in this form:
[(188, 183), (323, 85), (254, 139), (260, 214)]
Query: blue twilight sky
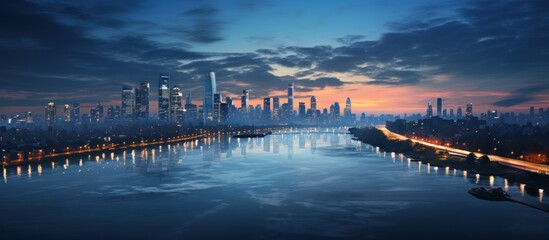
[(388, 56)]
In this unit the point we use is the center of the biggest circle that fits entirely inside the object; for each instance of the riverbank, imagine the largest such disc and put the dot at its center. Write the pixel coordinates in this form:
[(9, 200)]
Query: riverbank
[(440, 158), (129, 143)]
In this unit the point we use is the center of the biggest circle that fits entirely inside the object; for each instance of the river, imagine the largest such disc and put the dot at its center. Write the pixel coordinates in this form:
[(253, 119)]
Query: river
[(307, 184)]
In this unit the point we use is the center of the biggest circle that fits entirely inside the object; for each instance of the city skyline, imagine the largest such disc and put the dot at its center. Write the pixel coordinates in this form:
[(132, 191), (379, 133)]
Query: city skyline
[(392, 63)]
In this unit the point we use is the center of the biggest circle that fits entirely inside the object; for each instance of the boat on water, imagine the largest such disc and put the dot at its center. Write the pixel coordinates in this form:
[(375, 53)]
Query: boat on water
[(488, 193), (252, 135)]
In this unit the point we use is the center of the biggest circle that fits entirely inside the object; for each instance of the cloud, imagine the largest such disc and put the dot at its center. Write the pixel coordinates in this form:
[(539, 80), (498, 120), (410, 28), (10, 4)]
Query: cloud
[(349, 39), (520, 96), (203, 25)]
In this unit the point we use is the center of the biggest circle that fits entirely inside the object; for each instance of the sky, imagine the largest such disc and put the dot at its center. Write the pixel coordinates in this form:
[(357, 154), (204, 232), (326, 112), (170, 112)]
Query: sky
[(387, 56)]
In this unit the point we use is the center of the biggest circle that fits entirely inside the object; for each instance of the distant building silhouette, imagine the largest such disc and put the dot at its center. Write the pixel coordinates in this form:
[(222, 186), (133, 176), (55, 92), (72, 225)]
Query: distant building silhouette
[(439, 107)]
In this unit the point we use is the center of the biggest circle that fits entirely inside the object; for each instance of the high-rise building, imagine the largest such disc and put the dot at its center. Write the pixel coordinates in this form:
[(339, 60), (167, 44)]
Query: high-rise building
[(97, 115), (142, 101), (459, 113), (267, 108), (347, 112), (128, 102), (110, 113), (469, 111), (532, 112), (291, 96), (337, 111), (244, 100), (209, 91), (313, 106), (75, 112), (444, 113), (67, 113), (452, 113), (175, 104), (302, 110), (439, 107), (429, 110), (50, 113), (163, 97), (276, 107), (218, 100)]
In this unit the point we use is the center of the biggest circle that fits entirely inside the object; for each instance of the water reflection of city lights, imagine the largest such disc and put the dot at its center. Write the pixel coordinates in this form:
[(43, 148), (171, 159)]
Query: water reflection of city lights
[(505, 184), (540, 195), (39, 169), (477, 178), (18, 171), (491, 179), (522, 186), (447, 171)]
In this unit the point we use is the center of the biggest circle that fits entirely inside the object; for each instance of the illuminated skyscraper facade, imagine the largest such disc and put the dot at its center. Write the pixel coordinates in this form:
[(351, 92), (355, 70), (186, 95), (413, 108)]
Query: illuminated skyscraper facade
[(67, 113), (127, 110), (176, 98), (50, 113), (469, 111), (163, 97), (142, 101)]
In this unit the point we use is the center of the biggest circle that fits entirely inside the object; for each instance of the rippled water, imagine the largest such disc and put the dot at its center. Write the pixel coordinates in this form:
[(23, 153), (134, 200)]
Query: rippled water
[(288, 186)]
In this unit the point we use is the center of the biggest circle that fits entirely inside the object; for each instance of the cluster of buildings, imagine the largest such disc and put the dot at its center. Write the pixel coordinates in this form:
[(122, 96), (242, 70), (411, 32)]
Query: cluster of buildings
[(215, 108), (490, 117)]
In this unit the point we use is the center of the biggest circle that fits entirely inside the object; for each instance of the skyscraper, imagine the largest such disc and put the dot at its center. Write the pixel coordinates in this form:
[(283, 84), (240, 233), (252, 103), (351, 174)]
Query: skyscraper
[(244, 99), (429, 110), (175, 104), (532, 112), (337, 111), (439, 107), (267, 108), (209, 91), (469, 111), (276, 107), (313, 106), (163, 97), (128, 102), (302, 110), (347, 112), (142, 101), (98, 113), (67, 113), (50, 113), (459, 113), (218, 99), (291, 96), (75, 112)]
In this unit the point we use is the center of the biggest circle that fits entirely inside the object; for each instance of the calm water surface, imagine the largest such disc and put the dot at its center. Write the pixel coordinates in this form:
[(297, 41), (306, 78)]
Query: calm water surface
[(304, 185)]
